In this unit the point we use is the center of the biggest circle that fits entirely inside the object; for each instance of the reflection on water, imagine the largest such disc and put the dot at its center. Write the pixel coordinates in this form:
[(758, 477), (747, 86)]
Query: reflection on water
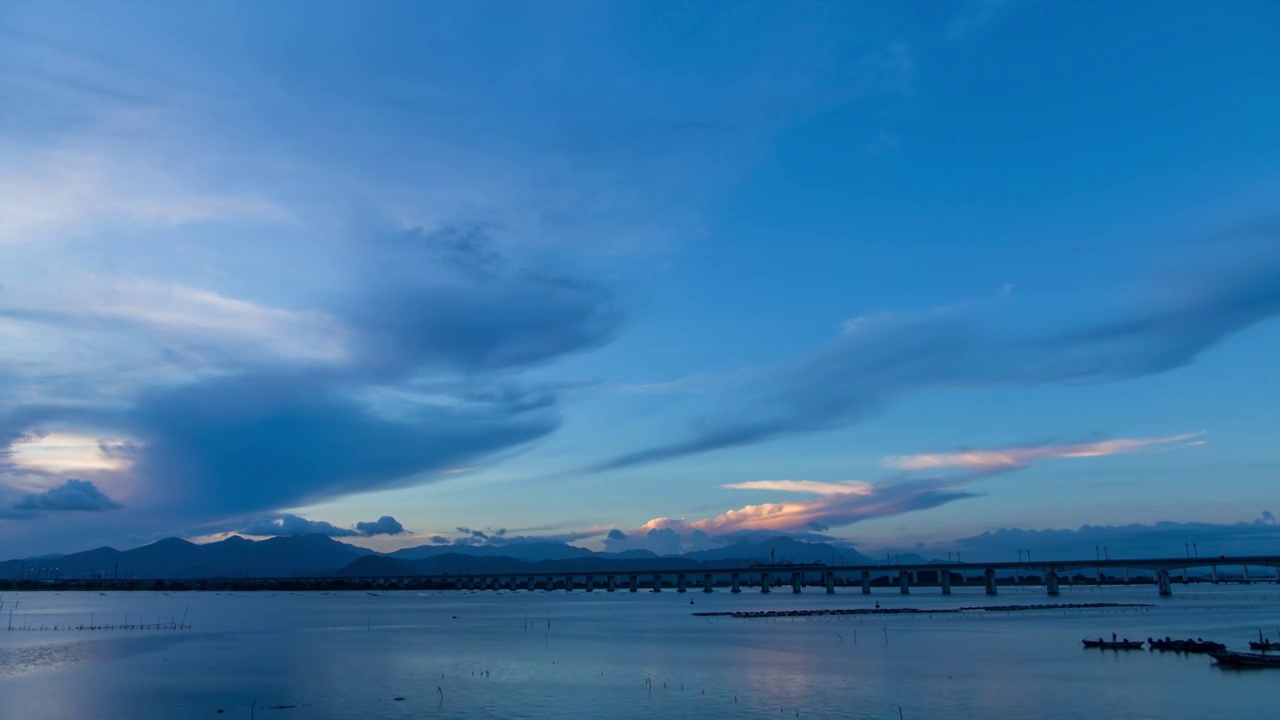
[(539, 654)]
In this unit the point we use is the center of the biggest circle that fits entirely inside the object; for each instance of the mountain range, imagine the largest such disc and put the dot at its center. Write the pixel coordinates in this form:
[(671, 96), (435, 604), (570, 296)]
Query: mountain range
[(322, 556)]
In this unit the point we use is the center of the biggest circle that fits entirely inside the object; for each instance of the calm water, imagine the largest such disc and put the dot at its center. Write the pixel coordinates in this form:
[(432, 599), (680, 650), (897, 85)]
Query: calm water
[(540, 654)]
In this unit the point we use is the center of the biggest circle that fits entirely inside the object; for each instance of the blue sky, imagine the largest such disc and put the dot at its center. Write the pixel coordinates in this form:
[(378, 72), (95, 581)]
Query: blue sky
[(687, 272)]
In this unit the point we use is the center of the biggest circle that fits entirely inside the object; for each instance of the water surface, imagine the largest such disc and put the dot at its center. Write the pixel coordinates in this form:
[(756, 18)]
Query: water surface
[(519, 654)]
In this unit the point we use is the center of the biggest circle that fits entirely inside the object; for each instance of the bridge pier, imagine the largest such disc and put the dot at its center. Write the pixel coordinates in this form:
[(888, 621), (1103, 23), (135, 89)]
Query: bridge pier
[(866, 582), (1278, 574), (1126, 576), (551, 583), (735, 583), (1244, 577), (1051, 582), (568, 583), (1162, 583), (1213, 578), (829, 578), (764, 582), (904, 582), (989, 576), (635, 583), (589, 585), (944, 579), (680, 583), (611, 583), (657, 583), (706, 583), (796, 581)]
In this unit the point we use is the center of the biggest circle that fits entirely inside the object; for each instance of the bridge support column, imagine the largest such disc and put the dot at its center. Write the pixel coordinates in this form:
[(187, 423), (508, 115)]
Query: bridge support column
[(531, 583), (1051, 582), (611, 583), (551, 583), (680, 583), (657, 583), (1162, 583), (568, 583), (944, 579), (915, 578), (1186, 576), (904, 582), (797, 579), (1126, 576), (764, 582), (1244, 577), (1278, 574), (590, 584), (1213, 577), (735, 583), (829, 578), (989, 575), (866, 582), (635, 583), (706, 583)]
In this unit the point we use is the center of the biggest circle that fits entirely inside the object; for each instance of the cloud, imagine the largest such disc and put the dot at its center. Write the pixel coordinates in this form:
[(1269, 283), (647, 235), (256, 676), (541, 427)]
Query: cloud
[(878, 360), (616, 534), (1015, 457), (286, 525), (71, 496), (385, 525), (476, 311), (258, 442), (291, 525), (838, 504), (851, 487)]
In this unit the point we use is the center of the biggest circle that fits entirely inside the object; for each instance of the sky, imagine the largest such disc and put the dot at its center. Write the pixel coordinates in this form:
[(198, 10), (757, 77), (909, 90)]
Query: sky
[(635, 275)]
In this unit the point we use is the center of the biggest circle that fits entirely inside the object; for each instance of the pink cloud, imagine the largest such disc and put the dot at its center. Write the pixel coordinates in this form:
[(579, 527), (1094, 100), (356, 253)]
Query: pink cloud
[(844, 503), (1016, 457)]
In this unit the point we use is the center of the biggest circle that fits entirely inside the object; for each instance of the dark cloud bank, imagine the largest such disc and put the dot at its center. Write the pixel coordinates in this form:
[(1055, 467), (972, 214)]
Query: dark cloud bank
[(436, 320)]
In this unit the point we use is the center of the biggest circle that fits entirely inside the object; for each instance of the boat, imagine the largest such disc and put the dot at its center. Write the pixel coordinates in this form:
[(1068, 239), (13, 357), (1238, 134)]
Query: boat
[(1113, 644), (1187, 646), (1246, 660), (1264, 645)]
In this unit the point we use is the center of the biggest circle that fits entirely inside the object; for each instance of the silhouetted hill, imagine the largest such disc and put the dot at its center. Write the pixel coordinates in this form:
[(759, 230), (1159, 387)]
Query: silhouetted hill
[(531, 551), (175, 558), (783, 549), (318, 555)]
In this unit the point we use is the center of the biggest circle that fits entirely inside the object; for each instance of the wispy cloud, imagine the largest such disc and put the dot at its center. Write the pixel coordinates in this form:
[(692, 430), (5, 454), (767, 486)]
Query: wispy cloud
[(851, 487), (1016, 457), (877, 360), (840, 504)]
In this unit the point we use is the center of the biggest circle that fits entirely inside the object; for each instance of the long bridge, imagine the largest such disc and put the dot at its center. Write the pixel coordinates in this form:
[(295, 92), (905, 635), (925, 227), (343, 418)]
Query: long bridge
[(637, 575), (766, 577)]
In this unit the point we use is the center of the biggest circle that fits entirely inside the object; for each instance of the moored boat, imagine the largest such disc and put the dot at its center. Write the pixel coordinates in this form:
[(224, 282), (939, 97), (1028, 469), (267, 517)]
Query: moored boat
[(1187, 646), (1246, 660), (1113, 644)]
